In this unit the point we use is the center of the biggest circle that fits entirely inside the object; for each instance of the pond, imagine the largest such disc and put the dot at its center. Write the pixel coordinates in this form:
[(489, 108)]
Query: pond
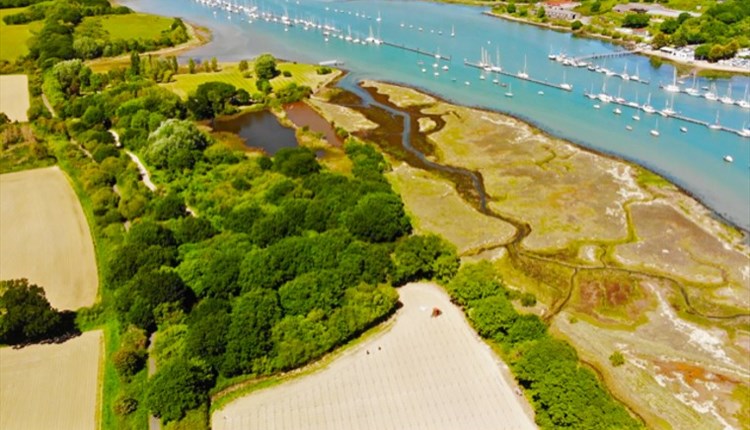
[(303, 115), (259, 130)]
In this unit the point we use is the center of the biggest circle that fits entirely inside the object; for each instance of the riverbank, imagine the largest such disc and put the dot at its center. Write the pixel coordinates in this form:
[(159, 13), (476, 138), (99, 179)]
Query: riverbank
[(696, 65), (597, 240), (198, 36)]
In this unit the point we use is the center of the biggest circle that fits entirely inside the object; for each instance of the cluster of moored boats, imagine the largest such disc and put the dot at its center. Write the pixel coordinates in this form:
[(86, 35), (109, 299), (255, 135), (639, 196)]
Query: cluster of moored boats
[(709, 93)]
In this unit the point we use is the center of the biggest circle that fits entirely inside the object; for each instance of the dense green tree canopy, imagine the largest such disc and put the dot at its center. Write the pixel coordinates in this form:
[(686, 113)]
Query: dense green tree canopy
[(25, 313), (176, 145), (378, 217), (179, 386), (265, 67)]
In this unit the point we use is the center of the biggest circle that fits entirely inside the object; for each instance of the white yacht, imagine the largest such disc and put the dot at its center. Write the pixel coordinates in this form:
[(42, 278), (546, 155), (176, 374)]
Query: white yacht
[(711, 94), (673, 87), (728, 159), (647, 107), (565, 85), (655, 131), (715, 125), (509, 93), (727, 99), (523, 74)]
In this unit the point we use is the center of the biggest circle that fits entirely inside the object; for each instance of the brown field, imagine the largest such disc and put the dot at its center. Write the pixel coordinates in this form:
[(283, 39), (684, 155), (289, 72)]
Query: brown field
[(423, 373), (45, 387), (14, 97), (45, 237)]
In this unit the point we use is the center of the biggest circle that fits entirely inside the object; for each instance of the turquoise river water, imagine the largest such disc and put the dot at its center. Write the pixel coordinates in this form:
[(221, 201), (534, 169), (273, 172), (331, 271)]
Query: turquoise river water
[(693, 159)]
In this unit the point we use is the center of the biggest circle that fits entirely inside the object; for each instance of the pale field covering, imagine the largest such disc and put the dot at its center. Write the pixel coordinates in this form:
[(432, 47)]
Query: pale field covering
[(436, 207), (48, 387), (45, 238), (14, 97), (423, 373)]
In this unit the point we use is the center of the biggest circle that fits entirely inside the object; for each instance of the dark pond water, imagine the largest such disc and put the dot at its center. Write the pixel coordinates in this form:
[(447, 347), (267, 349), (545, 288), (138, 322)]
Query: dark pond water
[(259, 130), (303, 115)]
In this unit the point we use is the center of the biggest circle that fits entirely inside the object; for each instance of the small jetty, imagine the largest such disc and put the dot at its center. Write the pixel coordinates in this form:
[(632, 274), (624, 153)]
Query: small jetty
[(418, 51), (331, 63), (587, 58), (512, 75)]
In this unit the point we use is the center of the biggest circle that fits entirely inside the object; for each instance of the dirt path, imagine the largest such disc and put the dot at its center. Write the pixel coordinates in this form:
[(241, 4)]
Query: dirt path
[(425, 372), (141, 168), (48, 105)]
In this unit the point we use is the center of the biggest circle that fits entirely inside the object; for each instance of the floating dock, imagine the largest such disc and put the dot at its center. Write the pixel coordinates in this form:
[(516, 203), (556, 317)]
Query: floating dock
[(606, 55), (529, 79), (676, 116), (418, 51)]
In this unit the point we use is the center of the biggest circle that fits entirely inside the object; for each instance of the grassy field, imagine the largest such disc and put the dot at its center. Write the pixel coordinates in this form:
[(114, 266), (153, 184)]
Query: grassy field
[(133, 26), (390, 380), (436, 207), (13, 38), (51, 386), (302, 74), (45, 237)]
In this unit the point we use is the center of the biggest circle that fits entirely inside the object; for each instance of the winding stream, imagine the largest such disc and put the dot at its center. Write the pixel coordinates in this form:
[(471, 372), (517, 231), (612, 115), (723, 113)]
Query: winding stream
[(367, 104)]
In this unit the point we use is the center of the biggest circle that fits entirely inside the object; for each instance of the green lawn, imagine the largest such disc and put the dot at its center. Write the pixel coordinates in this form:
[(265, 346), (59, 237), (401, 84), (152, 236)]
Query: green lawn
[(133, 26), (13, 38), (302, 74)]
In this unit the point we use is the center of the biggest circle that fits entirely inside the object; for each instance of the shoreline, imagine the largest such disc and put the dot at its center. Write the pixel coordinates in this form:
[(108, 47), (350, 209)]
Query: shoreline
[(714, 215), (696, 65)]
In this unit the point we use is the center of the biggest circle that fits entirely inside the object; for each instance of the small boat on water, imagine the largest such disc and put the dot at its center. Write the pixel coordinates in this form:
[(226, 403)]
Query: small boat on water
[(636, 117), (647, 106), (655, 131), (728, 159), (673, 87), (715, 125), (727, 99), (597, 106), (540, 92), (683, 129), (629, 127), (617, 111), (565, 85), (509, 93), (711, 94), (523, 74)]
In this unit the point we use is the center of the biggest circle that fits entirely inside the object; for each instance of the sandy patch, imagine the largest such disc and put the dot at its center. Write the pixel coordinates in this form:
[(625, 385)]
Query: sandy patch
[(14, 97), (44, 237), (50, 386), (400, 96), (430, 373), (348, 119)]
